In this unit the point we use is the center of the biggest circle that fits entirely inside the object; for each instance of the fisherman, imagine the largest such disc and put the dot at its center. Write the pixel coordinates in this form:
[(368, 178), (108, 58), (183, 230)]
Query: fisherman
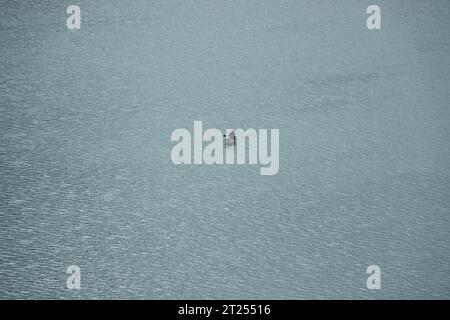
[(231, 138)]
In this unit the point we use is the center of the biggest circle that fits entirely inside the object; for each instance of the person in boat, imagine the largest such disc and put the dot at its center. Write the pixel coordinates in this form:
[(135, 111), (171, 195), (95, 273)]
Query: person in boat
[(231, 139)]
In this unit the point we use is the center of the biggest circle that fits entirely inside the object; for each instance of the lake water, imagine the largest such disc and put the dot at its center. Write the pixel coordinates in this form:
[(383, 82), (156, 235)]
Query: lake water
[(87, 178)]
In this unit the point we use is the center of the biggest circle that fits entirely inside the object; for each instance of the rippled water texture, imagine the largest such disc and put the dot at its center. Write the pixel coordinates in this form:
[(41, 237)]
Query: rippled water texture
[(87, 179)]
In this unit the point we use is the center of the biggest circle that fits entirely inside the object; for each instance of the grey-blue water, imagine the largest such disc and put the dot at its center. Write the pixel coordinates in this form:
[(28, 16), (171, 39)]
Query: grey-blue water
[(87, 178)]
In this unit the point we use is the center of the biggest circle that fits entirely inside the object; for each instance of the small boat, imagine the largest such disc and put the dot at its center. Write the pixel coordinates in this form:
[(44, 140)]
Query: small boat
[(231, 139)]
